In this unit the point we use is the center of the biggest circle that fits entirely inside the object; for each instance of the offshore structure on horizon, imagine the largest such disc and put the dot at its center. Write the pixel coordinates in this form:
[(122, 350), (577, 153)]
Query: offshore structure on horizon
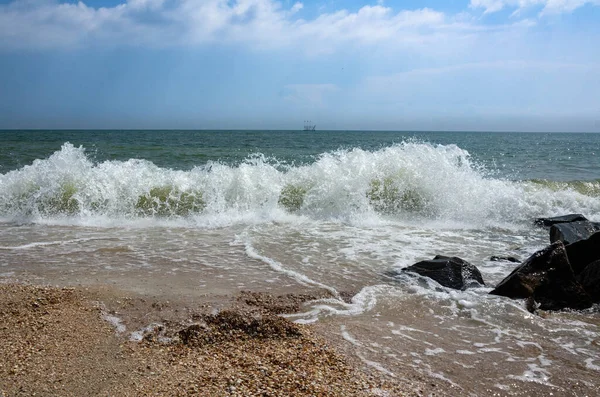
[(309, 126)]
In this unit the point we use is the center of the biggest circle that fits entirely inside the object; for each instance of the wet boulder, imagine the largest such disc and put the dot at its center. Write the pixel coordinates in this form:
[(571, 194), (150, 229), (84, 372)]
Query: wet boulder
[(589, 279), (560, 219), (584, 252), (572, 232), (451, 272), (548, 279)]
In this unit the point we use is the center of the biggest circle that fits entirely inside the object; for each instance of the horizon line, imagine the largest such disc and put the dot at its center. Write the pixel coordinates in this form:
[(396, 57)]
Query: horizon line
[(292, 130)]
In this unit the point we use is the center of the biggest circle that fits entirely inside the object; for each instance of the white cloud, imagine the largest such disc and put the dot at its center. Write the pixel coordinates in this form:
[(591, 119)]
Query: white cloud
[(296, 7), (372, 23), (259, 23), (142, 4), (548, 6), (253, 23), (51, 24)]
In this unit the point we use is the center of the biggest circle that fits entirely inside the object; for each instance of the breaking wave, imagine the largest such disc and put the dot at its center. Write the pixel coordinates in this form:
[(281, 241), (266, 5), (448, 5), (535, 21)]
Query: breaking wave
[(406, 181)]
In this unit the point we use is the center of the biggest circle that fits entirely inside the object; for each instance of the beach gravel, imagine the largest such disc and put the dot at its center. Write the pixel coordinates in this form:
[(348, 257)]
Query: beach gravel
[(57, 342)]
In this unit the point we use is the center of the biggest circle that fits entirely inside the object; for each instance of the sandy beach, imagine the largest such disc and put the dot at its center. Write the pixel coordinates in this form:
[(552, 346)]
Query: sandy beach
[(60, 341)]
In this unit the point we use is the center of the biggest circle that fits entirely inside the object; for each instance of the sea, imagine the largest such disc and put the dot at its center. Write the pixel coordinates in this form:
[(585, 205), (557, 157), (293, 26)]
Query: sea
[(216, 212)]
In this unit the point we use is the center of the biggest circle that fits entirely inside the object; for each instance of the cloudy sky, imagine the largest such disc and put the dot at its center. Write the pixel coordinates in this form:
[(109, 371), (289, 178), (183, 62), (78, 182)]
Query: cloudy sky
[(518, 65)]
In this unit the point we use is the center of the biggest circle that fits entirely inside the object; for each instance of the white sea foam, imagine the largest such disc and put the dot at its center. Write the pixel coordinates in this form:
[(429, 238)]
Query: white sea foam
[(346, 335), (376, 365), (433, 352), (115, 322), (589, 363), (279, 267), (138, 336), (45, 244), (536, 374), (362, 302)]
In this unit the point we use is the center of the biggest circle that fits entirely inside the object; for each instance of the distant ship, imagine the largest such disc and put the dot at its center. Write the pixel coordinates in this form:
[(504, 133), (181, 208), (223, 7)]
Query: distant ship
[(308, 126)]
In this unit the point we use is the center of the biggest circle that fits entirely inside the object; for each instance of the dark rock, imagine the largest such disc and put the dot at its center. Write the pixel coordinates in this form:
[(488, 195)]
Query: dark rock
[(504, 259), (571, 232), (451, 272), (589, 279), (547, 277), (560, 219), (584, 252)]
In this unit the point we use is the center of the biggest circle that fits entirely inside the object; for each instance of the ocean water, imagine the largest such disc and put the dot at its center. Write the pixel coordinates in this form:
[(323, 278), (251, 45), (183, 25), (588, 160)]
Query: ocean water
[(193, 212)]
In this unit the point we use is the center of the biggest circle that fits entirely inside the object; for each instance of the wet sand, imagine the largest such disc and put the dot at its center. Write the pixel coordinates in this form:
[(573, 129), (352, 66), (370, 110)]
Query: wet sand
[(101, 341)]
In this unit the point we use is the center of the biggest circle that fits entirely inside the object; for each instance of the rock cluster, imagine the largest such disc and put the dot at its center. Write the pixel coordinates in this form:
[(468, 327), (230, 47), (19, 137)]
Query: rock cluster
[(565, 274), (548, 278)]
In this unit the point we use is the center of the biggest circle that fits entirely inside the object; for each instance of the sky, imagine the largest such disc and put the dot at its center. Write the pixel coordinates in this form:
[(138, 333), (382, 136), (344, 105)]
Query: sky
[(476, 65)]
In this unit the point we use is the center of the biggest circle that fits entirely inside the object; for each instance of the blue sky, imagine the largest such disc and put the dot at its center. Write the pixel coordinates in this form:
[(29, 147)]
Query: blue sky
[(518, 65)]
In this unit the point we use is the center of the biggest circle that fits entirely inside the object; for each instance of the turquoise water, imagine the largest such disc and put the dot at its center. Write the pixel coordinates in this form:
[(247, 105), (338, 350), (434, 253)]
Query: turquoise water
[(214, 212)]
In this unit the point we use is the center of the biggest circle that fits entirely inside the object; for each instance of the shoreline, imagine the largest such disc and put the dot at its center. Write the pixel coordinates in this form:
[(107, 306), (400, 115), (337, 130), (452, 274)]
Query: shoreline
[(103, 341)]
